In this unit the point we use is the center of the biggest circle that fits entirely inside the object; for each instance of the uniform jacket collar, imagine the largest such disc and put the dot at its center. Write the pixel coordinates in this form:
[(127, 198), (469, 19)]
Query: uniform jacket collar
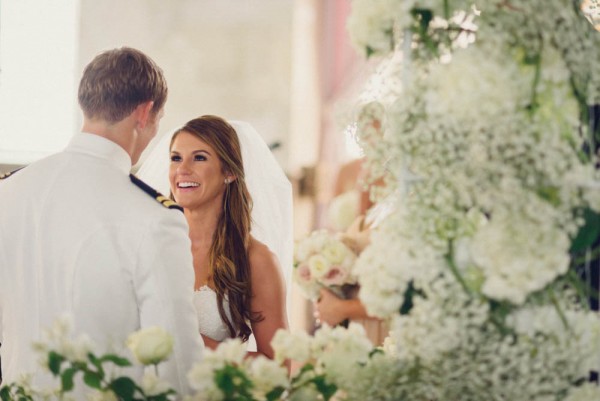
[(98, 146)]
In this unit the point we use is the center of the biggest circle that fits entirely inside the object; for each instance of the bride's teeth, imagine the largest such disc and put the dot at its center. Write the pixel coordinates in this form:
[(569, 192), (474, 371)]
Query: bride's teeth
[(188, 184)]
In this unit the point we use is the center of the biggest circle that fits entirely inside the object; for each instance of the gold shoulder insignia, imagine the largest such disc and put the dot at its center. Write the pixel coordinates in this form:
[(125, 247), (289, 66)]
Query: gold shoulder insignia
[(6, 175), (163, 200)]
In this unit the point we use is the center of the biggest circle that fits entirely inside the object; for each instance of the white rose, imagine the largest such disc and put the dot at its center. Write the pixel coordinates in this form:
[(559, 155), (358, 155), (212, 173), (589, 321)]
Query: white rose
[(302, 250), (150, 345), (335, 252), (152, 385), (318, 265)]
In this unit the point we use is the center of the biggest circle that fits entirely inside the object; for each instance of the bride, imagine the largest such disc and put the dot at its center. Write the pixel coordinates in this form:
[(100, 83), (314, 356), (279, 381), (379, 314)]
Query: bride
[(239, 286)]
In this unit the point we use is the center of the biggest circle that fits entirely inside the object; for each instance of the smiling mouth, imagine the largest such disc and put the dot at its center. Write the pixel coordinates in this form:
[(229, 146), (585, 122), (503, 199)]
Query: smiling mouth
[(187, 184)]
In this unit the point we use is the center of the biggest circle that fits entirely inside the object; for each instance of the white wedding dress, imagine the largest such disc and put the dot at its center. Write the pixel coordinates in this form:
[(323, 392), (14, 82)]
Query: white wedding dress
[(211, 324)]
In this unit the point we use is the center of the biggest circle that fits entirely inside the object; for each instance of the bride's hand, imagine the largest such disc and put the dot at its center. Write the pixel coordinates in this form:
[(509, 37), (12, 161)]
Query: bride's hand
[(209, 342)]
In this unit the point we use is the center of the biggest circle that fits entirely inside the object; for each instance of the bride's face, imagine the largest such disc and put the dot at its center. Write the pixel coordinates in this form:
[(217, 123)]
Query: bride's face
[(195, 173)]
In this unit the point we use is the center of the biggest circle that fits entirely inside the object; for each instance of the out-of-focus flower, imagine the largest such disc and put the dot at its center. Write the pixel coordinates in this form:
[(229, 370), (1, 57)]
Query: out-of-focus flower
[(150, 345)]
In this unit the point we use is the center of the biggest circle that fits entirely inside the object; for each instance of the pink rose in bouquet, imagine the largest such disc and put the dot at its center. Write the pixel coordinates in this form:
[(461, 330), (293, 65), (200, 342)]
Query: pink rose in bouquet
[(323, 260)]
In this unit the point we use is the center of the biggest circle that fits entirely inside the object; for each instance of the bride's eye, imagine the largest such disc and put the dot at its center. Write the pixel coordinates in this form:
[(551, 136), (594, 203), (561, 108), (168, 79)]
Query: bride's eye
[(175, 158), (199, 157)]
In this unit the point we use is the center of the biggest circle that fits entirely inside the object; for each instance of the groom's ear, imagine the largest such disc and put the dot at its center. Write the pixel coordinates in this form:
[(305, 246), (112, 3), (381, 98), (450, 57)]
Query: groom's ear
[(142, 113)]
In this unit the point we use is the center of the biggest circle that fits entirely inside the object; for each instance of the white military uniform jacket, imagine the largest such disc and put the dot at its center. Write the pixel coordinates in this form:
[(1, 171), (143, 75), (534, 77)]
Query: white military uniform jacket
[(78, 236)]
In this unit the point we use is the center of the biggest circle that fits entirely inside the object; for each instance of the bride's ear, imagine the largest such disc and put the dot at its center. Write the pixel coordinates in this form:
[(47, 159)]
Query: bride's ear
[(229, 178)]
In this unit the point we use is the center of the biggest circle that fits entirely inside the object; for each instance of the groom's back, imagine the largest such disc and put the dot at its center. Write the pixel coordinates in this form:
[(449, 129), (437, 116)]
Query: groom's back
[(78, 236)]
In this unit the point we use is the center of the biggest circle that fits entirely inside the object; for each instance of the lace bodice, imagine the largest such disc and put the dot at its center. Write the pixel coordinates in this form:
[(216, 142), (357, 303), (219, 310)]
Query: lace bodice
[(211, 325)]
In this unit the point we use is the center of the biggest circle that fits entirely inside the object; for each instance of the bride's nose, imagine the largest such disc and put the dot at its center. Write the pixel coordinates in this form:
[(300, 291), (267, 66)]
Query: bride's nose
[(184, 167)]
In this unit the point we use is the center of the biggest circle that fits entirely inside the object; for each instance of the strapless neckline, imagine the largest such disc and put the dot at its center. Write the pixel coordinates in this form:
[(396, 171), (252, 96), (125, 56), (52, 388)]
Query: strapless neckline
[(207, 310)]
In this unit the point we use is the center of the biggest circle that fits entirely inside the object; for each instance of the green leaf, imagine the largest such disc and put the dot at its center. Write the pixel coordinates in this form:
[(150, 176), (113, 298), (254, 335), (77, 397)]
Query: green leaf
[(92, 379), (5, 393), (233, 382), (375, 351), (117, 360), (54, 361), (275, 393), (409, 295), (66, 379), (123, 387), (326, 389), (588, 234)]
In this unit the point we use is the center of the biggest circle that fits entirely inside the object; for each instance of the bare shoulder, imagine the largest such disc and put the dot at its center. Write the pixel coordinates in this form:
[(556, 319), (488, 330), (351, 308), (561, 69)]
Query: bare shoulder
[(262, 259)]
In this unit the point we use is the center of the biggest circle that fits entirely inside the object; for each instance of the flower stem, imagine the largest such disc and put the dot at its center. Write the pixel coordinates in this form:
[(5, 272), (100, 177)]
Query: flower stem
[(450, 260)]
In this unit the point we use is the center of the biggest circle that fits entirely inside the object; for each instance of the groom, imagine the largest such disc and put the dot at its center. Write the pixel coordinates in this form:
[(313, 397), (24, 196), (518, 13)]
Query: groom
[(79, 235)]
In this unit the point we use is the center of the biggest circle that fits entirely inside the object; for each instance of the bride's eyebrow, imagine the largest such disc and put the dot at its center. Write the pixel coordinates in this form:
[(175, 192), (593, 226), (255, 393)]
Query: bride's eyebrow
[(200, 151), (193, 152)]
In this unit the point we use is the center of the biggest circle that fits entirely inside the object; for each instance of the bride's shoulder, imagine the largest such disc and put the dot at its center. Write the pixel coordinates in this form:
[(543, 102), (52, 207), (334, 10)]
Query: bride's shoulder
[(265, 271), (261, 257)]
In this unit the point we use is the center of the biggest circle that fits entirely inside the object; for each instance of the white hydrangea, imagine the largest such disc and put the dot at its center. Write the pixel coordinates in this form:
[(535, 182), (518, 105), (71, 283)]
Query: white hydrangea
[(436, 325), (394, 258), (577, 331), (585, 392), (339, 351), (519, 255), (370, 25), (449, 89), (295, 345), (266, 375)]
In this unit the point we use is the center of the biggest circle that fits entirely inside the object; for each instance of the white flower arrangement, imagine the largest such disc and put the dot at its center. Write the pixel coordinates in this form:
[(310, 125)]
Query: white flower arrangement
[(226, 373), (323, 260), (486, 151), (103, 377)]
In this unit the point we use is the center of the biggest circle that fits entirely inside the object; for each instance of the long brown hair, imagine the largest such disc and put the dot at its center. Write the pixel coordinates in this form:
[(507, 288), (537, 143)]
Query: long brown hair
[(228, 254)]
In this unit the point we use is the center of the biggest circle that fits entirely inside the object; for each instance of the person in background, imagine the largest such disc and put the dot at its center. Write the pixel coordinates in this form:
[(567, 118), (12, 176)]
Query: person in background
[(346, 214)]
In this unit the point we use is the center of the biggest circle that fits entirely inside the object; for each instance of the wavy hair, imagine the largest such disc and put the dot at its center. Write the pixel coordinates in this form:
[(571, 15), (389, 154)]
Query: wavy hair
[(228, 254)]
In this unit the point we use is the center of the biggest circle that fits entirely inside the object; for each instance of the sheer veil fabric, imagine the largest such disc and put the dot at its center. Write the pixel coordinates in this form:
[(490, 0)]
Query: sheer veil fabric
[(271, 191)]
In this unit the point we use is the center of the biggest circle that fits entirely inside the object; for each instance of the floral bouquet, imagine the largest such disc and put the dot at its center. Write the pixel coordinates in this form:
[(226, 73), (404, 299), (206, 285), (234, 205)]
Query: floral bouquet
[(324, 260)]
